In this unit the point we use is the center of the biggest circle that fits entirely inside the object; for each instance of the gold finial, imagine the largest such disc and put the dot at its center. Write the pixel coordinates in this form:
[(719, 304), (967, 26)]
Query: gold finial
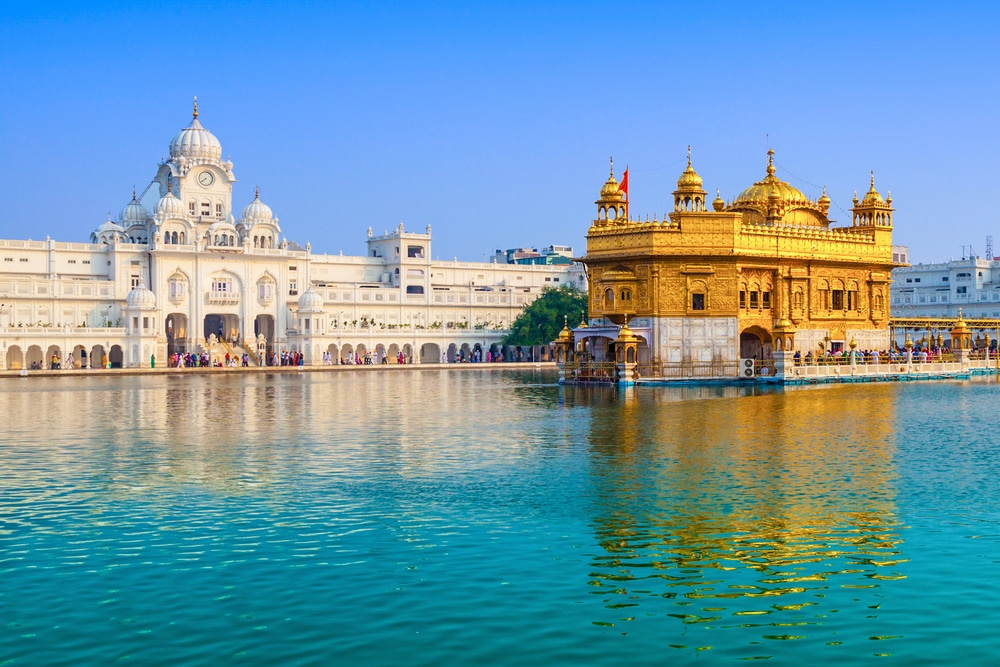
[(169, 185), (689, 155), (195, 106), (256, 192), (770, 161), (133, 192), (612, 160), (873, 179)]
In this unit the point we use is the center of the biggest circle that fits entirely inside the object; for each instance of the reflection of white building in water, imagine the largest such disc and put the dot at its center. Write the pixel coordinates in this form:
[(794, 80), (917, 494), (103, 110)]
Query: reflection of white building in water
[(190, 275)]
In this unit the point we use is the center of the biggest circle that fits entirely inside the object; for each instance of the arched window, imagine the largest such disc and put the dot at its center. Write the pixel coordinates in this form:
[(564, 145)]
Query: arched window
[(609, 298), (182, 239)]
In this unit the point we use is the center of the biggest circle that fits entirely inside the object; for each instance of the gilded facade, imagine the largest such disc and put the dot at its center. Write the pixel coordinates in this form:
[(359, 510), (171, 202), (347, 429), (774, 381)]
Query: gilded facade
[(719, 281)]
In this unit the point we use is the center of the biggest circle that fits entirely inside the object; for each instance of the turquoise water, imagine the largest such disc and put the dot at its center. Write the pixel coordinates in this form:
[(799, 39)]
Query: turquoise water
[(494, 518)]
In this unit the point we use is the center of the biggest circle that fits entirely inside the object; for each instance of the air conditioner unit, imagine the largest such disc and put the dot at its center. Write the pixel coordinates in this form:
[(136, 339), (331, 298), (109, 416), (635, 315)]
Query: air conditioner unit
[(746, 368)]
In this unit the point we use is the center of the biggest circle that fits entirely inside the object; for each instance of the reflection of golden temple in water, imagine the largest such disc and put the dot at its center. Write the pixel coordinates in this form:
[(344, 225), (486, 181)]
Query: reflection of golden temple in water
[(742, 507)]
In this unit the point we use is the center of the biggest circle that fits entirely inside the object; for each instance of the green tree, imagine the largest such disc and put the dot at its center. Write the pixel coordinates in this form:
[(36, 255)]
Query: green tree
[(541, 322)]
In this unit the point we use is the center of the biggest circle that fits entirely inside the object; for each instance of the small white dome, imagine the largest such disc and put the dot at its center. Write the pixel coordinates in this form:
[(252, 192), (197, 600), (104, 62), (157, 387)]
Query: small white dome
[(310, 301), (134, 213), (222, 226), (110, 226), (169, 206), (257, 211), (141, 297)]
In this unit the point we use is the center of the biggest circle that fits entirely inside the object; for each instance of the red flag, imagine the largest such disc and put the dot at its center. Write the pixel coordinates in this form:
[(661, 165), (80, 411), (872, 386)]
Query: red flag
[(624, 185)]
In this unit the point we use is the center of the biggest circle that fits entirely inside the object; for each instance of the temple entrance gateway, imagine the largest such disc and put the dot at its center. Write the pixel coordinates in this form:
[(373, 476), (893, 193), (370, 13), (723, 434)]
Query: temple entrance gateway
[(755, 343), (176, 329), (225, 326), (264, 324)]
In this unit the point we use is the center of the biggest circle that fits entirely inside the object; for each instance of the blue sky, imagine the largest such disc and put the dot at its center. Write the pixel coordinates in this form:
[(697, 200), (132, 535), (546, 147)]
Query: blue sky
[(494, 122)]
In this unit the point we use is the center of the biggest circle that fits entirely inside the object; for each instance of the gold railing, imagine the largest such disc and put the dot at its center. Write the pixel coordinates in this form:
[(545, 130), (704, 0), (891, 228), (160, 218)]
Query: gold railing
[(591, 371)]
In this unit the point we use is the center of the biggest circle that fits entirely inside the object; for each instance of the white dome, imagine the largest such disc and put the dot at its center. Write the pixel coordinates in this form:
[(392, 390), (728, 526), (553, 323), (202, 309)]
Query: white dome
[(134, 213), (222, 226), (195, 141), (169, 206), (110, 226), (141, 297), (257, 211), (310, 301)]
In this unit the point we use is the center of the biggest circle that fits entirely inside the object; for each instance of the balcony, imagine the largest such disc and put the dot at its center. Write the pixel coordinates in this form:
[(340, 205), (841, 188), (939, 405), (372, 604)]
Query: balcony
[(222, 298)]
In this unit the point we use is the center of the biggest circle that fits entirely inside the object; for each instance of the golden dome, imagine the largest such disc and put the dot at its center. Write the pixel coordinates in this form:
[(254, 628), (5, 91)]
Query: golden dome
[(625, 334), (689, 179), (770, 188), (611, 189), (872, 196), (565, 335), (718, 204), (823, 199)]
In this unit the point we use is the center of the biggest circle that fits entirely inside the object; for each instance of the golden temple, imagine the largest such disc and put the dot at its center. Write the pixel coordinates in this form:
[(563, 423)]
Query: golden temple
[(717, 282)]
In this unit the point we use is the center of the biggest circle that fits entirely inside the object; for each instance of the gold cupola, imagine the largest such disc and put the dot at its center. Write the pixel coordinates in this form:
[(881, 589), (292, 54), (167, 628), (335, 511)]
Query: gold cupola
[(689, 195), (824, 201), (611, 204), (872, 211), (718, 203)]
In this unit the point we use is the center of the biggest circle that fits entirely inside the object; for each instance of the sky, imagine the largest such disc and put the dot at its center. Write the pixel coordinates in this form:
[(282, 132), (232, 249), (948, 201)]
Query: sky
[(494, 122)]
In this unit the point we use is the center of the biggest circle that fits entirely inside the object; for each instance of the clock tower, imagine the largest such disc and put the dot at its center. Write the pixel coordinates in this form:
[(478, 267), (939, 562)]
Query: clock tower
[(197, 176)]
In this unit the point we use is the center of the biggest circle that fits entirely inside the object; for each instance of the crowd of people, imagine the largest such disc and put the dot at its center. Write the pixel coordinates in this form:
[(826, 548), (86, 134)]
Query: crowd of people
[(921, 355)]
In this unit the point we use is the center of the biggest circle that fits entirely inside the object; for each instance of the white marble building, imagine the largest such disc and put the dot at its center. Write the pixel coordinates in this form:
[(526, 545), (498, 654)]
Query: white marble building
[(940, 290), (192, 275)]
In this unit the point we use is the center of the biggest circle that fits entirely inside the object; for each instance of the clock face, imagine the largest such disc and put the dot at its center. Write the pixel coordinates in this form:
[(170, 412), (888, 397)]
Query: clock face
[(206, 178)]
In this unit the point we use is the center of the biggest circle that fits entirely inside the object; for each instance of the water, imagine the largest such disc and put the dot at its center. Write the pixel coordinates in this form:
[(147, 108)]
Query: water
[(494, 518)]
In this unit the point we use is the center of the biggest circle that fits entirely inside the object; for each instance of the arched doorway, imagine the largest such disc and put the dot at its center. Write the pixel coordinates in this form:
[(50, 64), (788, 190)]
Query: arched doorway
[(407, 354), (15, 358), (53, 351), (264, 324), (334, 352), (755, 343), (452, 355), (393, 353), (34, 358), (97, 356), (430, 353), (116, 357), (177, 333), (225, 326)]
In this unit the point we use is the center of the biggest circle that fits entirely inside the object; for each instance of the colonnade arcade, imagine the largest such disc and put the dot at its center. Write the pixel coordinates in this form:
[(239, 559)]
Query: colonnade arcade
[(20, 357)]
